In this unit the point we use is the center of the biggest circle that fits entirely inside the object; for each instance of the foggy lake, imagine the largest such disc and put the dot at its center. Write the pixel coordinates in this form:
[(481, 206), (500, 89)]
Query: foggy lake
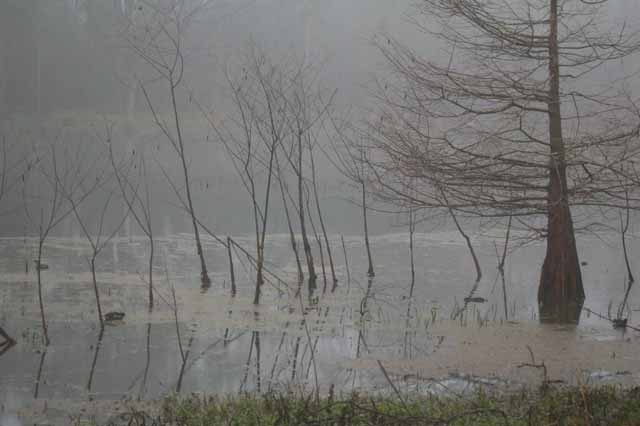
[(339, 336), (246, 197)]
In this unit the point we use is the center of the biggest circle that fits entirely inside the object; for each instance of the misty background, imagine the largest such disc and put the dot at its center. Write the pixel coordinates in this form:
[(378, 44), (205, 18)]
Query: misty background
[(68, 72)]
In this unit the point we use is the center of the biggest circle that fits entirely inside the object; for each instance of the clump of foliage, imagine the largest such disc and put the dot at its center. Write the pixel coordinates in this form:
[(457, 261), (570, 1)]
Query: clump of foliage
[(551, 406)]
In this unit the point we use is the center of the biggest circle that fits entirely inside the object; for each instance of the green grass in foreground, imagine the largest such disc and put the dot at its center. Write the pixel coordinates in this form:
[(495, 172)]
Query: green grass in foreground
[(555, 406)]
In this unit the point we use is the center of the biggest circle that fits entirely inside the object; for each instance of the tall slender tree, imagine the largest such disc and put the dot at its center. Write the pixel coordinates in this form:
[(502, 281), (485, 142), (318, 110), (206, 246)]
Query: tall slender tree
[(158, 38), (59, 170)]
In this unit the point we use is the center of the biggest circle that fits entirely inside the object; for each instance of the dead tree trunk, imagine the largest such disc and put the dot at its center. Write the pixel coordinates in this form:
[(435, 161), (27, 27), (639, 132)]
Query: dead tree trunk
[(560, 294)]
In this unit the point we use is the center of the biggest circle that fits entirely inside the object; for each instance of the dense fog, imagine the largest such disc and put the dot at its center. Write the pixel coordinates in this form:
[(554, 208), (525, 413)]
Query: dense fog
[(69, 70)]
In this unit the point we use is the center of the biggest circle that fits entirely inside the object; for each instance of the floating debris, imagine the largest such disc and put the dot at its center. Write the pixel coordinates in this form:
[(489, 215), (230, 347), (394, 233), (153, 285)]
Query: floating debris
[(619, 323), (40, 266), (605, 375), (113, 316)]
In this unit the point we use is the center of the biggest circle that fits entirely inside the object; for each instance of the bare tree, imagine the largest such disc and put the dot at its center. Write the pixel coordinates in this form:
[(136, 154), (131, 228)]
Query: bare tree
[(307, 108), (316, 197), (284, 191), (139, 205), (251, 137), (276, 111), (351, 159), (60, 170), (512, 123), (158, 39), (100, 236)]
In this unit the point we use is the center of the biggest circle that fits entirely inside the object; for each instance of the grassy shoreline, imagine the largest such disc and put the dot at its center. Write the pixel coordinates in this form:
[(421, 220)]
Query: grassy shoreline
[(605, 405)]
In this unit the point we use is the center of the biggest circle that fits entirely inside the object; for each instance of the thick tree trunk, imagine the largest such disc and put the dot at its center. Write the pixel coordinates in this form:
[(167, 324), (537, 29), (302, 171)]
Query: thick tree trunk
[(560, 294)]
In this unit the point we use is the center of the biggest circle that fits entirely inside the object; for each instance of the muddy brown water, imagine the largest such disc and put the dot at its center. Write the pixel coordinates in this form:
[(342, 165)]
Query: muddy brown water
[(343, 339)]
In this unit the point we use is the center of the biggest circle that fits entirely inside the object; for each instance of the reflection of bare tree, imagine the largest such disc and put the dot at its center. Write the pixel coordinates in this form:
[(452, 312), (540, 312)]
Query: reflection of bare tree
[(258, 358), (361, 342), (185, 357), (232, 277), (364, 310), (95, 361), (36, 392), (294, 359), (276, 358), (192, 359), (143, 386), (6, 337), (184, 354), (144, 375), (255, 341), (8, 342)]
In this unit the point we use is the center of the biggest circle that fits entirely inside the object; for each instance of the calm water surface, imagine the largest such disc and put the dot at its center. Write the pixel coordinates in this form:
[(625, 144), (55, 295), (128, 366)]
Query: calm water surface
[(425, 342)]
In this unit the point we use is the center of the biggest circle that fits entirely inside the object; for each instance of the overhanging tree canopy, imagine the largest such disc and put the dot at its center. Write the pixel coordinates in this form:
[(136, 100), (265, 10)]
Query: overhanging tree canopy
[(520, 119)]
